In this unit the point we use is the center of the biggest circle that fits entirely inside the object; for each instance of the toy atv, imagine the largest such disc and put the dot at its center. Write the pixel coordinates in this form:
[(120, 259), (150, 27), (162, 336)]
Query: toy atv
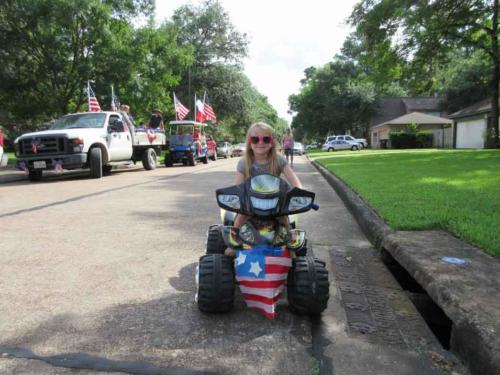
[(267, 253)]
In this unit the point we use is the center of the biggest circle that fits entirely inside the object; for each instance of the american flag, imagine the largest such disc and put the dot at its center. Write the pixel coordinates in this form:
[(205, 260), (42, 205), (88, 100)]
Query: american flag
[(261, 273), (180, 110), (209, 111), (93, 103)]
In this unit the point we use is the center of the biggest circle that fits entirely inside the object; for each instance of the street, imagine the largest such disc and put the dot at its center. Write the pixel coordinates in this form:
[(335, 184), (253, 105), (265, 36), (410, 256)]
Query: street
[(99, 275)]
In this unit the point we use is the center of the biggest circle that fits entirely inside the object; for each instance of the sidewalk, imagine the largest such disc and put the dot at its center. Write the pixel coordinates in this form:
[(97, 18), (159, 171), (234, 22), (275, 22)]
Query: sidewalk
[(460, 278)]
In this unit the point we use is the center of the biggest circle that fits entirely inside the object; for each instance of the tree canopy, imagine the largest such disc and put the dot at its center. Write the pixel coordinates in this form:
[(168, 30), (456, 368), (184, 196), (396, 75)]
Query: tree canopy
[(50, 48)]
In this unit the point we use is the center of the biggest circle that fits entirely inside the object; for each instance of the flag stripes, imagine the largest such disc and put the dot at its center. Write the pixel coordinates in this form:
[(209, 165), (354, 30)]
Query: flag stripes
[(180, 110), (261, 278)]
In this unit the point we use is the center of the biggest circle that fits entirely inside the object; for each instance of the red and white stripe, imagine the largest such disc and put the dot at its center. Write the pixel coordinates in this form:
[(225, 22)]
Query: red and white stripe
[(264, 294), (94, 104), (180, 109), (209, 113)]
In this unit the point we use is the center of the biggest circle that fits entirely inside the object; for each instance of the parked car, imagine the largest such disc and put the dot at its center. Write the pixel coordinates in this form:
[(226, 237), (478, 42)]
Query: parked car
[(224, 149), (363, 143), (298, 148), (239, 149), (340, 145), (312, 146)]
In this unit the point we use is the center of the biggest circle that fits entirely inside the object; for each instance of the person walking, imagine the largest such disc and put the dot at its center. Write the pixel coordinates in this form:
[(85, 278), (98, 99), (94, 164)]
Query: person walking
[(287, 144)]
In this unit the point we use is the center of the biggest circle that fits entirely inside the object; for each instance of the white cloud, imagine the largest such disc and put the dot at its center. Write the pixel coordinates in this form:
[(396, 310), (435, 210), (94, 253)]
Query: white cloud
[(286, 37)]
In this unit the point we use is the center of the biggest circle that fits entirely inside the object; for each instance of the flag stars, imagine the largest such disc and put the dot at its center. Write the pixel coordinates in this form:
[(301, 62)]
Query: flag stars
[(255, 268), (241, 259)]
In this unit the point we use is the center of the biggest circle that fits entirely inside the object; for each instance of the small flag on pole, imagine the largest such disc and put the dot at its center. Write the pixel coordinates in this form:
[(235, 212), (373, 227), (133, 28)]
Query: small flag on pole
[(200, 111), (209, 111), (93, 103), (115, 104), (180, 110)]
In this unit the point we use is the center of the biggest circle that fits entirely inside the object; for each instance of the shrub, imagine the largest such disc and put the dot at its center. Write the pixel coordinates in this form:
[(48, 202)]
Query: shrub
[(402, 139)]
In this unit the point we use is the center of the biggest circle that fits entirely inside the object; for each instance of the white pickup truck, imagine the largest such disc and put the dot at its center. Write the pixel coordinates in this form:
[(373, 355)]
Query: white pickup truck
[(94, 140)]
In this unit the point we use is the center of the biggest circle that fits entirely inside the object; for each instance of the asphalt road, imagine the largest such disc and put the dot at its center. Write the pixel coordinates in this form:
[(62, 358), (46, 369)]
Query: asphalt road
[(98, 275)]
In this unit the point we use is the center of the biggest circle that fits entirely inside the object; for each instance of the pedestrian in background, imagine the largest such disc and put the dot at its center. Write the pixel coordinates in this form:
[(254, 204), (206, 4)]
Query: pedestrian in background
[(287, 144)]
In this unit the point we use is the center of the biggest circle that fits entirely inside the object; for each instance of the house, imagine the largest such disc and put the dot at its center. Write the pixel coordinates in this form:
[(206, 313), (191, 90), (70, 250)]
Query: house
[(396, 113), (470, 125)]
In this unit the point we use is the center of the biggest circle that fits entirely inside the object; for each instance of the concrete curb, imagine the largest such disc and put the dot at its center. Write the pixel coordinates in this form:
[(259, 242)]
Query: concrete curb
[(11, 175), (467, 297)]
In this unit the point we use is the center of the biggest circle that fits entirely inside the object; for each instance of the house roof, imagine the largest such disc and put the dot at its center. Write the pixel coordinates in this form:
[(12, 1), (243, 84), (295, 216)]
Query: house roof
[(392, 107), (417, 118), (421, 104), (484, 106)]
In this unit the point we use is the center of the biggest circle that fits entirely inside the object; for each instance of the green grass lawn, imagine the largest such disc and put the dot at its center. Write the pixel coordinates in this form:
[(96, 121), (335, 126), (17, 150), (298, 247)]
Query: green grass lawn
[(455, 190)]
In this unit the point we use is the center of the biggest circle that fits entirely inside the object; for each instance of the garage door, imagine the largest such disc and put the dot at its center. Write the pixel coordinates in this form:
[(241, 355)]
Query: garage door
[(470, 134)]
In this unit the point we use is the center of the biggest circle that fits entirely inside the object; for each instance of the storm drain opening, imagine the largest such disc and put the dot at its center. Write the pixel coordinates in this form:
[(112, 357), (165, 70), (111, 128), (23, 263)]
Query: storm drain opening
[(433, 315)]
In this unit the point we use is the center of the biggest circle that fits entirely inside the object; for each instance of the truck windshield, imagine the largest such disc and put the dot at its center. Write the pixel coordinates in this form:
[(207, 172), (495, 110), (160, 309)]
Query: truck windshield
[(83, 120)]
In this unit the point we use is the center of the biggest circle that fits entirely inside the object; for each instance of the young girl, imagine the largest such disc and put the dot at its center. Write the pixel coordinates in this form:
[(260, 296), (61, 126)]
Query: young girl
[(261, 158)]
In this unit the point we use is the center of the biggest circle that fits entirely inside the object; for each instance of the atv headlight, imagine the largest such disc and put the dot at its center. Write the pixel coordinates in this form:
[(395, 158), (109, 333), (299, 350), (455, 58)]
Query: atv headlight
[(298, 203), (263, 204), (229, 200)]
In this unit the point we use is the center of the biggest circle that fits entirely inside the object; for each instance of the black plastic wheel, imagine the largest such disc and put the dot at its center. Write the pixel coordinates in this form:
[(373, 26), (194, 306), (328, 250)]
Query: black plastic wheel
[(215, 242), (35, 175), (308, 286), (95, 162), (205, 159), (215, 283)]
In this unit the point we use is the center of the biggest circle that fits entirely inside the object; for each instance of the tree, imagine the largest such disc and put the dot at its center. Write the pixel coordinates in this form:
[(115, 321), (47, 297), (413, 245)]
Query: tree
[(333, 99), (424, 32), (49, 48)]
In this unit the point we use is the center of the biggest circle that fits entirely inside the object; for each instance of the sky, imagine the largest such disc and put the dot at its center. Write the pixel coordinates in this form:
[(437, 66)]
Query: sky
[(286, 37)]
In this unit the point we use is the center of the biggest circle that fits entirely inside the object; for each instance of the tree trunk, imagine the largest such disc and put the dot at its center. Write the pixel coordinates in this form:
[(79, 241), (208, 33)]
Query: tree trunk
[(492, 137)]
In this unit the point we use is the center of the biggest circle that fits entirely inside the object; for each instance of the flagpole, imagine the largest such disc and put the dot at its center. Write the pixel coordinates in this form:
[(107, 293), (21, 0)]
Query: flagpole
[(113, 99), (175, 106), (194, 113), (88, 94)]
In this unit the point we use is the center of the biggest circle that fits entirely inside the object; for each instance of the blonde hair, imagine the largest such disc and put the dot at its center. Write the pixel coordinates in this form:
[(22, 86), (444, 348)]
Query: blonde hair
[(272, 156)]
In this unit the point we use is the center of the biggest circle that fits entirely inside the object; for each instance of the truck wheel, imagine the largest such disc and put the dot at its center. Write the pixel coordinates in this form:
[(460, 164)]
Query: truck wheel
[(331, 149), (169, 160), (149, 159), (96, 162), (215, 278), (35, 175), (205, 159), (354, 148), (307, 286), (215, 242)]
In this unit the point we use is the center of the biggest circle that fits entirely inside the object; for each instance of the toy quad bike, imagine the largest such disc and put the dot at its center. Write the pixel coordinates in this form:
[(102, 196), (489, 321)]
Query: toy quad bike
[(186, 145), (265, 199)]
